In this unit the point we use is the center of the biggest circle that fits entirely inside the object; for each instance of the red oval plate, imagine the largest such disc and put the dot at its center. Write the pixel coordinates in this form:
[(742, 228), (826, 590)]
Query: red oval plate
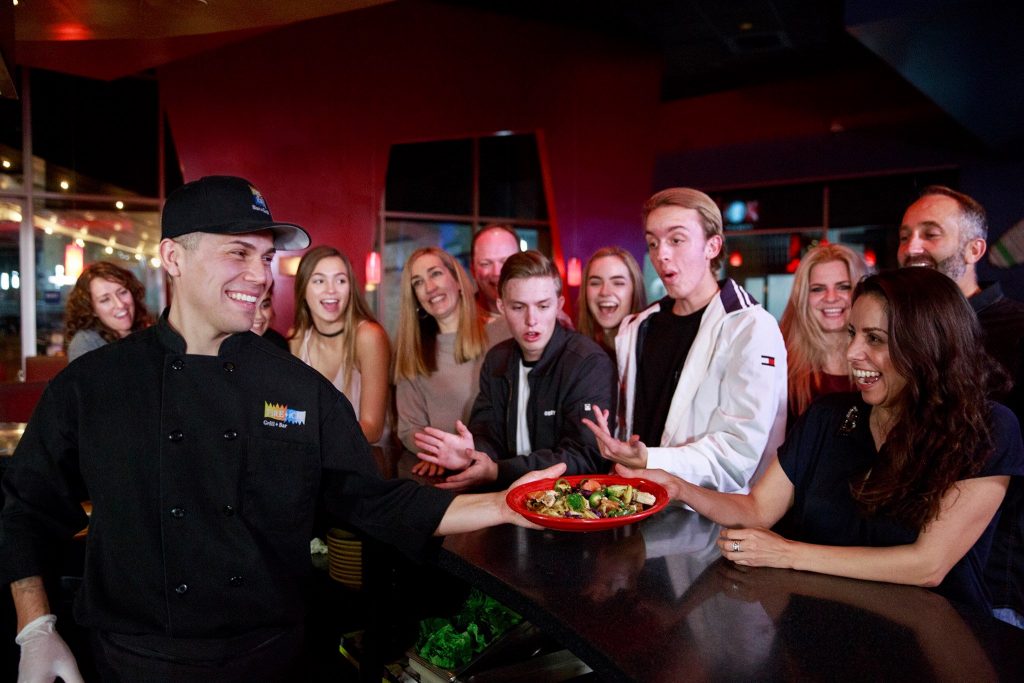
[(516, 499)]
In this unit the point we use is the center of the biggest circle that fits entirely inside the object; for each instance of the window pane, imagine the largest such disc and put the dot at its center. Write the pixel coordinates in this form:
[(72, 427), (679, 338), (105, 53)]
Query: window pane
[(510, 178), (796, 206), (10, 144), (764, 264), (68, 239), (431, 177), (98, 137), (10, 291)]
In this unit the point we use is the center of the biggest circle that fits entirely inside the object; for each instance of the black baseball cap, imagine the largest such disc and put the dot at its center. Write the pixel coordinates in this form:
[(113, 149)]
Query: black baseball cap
[(225, 205)]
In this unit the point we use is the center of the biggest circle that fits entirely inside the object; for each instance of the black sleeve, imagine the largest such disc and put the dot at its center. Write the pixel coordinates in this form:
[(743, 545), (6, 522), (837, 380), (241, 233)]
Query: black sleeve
[(593, 381), (43, 488), (398, 512), (487, 420)]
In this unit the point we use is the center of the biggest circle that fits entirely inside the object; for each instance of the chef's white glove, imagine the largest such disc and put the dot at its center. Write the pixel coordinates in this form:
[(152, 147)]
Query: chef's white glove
[(44, 654)]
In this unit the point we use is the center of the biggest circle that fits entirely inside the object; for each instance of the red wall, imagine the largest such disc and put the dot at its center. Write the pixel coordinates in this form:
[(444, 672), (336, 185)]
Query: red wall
[(308, 113)]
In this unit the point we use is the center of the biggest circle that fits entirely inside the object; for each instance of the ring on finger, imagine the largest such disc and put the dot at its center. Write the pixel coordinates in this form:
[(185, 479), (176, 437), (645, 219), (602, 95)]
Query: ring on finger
[(736, 547)]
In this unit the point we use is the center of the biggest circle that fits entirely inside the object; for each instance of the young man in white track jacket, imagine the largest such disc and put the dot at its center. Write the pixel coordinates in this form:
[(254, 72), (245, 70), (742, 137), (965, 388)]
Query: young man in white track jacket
[(703, 371)]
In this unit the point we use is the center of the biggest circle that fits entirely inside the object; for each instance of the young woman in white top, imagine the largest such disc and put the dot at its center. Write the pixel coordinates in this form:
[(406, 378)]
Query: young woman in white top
[(440, 346), (336, 333)]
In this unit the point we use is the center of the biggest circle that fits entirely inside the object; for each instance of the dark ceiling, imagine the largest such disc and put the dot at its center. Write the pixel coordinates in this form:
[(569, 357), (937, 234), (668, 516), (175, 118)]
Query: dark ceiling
[(711, 45), (964, 56)]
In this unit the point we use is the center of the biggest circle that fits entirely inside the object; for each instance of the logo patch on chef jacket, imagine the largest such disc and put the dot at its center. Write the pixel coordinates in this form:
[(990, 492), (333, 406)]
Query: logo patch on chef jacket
[(280, 415)]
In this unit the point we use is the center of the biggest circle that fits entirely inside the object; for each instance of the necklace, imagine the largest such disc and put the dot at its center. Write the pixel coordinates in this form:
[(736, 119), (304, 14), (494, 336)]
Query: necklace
[(325, 335)]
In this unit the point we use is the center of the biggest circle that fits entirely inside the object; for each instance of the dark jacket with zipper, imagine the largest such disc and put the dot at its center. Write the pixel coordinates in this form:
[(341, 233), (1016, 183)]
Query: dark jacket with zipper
[(574, 374)]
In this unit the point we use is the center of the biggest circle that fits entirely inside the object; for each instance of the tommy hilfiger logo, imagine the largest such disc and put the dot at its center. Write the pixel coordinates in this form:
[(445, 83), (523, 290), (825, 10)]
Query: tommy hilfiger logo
[(279, 415), (768, 360)]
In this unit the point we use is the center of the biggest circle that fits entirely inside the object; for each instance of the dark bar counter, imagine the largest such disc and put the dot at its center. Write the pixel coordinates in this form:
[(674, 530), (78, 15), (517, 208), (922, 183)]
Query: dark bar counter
[(655, 601)]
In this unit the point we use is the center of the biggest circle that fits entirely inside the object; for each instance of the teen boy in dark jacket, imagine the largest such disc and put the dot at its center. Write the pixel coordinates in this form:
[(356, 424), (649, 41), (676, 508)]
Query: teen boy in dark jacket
[(534, 390)]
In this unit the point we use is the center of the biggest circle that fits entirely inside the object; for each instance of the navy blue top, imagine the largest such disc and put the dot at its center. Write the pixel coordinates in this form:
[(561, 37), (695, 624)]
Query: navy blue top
[(831, 445)]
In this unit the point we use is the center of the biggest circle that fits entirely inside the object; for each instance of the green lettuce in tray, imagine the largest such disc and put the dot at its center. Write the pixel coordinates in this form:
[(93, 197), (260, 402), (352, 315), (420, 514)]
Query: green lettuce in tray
[(453, 643)]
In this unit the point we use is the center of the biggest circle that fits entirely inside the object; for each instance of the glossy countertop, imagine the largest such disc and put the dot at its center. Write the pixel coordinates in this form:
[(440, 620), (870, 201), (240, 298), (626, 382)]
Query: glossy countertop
[(654, 601)]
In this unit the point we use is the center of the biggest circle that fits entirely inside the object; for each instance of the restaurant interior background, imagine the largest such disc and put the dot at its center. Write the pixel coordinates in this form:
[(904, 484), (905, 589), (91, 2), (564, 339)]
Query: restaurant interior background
[(384, 126)]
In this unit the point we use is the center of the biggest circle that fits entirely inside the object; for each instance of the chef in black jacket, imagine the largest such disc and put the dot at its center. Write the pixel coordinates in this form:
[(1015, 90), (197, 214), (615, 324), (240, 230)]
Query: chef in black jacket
[(202, 448)]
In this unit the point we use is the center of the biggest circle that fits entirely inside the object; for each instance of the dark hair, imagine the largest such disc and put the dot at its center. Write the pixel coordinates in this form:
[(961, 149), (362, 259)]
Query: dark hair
[(79, 314), (940, 431), (973, 219)]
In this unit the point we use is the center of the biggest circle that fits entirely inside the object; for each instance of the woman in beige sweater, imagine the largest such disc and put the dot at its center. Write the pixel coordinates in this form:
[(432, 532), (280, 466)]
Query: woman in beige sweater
[(440, 345)]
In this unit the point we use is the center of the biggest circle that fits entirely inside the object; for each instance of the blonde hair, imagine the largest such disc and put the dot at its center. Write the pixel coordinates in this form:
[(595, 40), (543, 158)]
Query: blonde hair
[(356, 309), (688, 198), (416, 346), (806, 345), (587, 325)]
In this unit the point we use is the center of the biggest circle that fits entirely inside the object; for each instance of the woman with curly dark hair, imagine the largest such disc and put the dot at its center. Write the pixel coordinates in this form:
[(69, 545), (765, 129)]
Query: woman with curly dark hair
[(901, 482), (106, 304)]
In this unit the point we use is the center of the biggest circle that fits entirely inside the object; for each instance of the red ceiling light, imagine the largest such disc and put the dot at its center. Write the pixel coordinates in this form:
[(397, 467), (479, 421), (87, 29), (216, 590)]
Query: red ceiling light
[(735, 259), (870, 260)]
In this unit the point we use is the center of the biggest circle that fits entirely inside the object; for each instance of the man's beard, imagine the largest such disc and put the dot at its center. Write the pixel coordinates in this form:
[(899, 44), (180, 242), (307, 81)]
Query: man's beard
[(952, 267)]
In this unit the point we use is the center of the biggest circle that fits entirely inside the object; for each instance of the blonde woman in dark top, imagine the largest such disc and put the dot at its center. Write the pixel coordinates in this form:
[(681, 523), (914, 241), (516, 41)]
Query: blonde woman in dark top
[(440, 345), (612, 289), (814, 324)]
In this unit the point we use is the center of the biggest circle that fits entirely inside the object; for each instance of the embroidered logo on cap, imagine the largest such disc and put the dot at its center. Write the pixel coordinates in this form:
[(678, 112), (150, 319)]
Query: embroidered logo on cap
[(258, 202), (280, 415)]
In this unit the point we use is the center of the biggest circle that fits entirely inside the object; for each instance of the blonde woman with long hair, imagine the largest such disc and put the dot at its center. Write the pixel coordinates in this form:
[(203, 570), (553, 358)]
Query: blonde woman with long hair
[(814, 323), (336, 333), (612, 289), (440, 345)]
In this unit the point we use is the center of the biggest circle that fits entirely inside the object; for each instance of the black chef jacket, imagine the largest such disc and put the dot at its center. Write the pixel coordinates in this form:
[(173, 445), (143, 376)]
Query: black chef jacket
[(203, 472)]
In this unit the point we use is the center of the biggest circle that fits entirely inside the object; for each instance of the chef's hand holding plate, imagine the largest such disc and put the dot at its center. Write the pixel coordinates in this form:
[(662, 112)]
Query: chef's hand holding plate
[(514, 517), (632, 453)]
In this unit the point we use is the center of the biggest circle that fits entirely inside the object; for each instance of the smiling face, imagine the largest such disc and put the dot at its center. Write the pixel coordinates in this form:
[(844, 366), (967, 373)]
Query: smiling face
[(828, 295), (113, 305), (328, 291), (681, 255), (930, 236), (530, 306), (868, 354), (217, 284), (436, 291), (609, 292), (491, 250), (264, 315)]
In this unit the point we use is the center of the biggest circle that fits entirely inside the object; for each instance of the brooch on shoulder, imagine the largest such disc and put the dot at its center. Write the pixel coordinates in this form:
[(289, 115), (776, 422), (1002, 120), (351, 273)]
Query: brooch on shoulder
[(849, 422)]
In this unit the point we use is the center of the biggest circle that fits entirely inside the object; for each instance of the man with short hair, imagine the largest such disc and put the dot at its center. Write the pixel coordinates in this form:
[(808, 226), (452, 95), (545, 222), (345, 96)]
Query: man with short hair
[(948, 230), (534, 390), (203, 449), (704, 369), (488, 252)]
